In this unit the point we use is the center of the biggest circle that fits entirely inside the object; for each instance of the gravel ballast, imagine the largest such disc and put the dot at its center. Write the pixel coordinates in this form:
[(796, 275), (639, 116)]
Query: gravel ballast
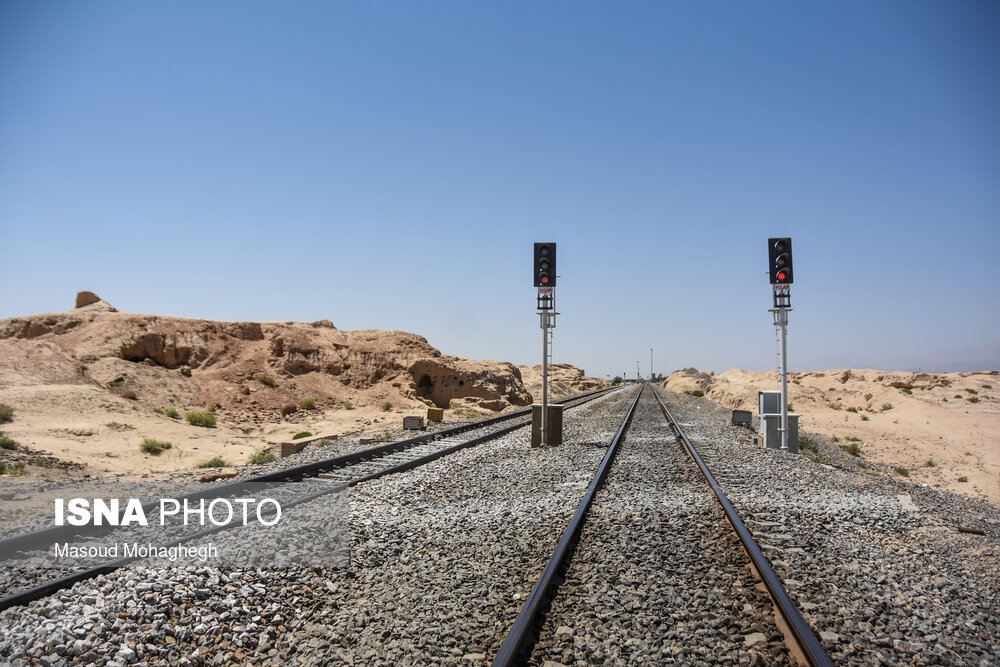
[(658, 575), (442, 557), (880, 582)]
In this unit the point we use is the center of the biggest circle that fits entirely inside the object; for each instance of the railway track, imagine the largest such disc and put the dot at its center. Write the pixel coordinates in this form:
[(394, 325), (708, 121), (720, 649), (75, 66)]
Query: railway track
[(340, 472), (654, 567)]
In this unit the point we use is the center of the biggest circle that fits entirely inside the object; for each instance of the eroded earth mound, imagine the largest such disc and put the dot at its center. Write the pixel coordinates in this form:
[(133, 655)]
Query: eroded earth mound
[(95, 375)]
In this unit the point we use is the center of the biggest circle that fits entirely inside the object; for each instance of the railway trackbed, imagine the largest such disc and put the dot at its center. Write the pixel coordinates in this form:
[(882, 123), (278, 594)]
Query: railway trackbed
[(654, 569), (20, 584)]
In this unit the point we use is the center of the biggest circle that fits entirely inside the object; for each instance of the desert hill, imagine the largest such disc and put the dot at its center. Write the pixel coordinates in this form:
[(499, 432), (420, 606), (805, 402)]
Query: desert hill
[(564, 380), (87, 385), (939, 427)]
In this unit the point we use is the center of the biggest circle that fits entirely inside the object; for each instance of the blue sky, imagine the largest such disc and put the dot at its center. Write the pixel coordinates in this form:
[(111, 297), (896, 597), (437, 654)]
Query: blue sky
[(389, 165)]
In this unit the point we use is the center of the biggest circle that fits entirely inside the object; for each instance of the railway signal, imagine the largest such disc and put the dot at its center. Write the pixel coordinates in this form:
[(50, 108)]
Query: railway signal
[(545, 265), (545, 280), (779, 254)]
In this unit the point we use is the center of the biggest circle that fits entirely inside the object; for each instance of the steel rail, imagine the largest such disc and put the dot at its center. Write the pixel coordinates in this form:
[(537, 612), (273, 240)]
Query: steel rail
[(804, 635), (298, 473), (43, 537), (519, 635)]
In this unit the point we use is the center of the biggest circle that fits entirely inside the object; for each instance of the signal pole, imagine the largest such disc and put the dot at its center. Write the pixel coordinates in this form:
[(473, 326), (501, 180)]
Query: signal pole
[(780, 257), (781, 321), (545, 281)]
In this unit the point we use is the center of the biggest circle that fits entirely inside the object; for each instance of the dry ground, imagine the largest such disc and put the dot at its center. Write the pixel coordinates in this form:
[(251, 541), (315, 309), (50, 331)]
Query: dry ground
[(940, 427)]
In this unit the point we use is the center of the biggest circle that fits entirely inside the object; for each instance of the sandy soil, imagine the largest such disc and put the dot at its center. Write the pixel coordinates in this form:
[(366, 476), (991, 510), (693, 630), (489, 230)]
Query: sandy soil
[(940, 427)]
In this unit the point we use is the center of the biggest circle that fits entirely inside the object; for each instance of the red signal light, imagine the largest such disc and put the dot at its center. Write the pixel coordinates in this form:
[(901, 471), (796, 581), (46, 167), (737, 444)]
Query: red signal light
[(781, 275)]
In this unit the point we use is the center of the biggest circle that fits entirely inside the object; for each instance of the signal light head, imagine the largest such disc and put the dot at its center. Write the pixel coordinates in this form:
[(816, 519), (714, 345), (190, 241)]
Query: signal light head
[(779, 254), (545, 265)]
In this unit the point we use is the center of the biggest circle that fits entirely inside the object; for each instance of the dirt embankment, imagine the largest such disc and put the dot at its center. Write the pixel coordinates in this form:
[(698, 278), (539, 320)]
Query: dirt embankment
[(942, 428), (89, 384)]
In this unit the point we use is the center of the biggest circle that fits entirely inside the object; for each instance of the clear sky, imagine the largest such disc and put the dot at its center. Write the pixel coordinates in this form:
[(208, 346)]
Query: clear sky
[(389, 165)]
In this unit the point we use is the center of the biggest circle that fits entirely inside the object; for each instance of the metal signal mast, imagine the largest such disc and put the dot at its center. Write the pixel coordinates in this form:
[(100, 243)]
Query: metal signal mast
[(779, 253)]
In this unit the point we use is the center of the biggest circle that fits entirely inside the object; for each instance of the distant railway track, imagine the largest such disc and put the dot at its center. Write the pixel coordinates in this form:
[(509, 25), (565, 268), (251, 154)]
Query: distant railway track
[(531, 641), (341, 471)]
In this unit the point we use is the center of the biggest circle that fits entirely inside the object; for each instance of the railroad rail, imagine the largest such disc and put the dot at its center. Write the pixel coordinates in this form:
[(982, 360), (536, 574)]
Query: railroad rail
[(517, 647), (807, 641), (342, 471)]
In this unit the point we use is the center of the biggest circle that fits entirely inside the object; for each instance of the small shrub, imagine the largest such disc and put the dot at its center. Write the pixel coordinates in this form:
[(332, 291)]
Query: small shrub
[(907, 391), (308, 403), (864, 418), (808, 444), (836, 439), (214, 462), (173, 414), (212, 408), (159, 411), (6, 412), (303, 434), (387, 406), (957, 396), (7, 443), (868, 397), (963, 478), (154, 446), (348, 405), (853, 449), (263, 456), (944, 400), (117, 382), (886, 407), (972, 391), (15, 469), (852, 438), (288, 409), (266, 378), (195, 418), (930, 463), (130, 394), (852, 409), (817, 457), (973, 399), (791, 407), (834, 406), (697, 393), (902, 472), (987, 386)]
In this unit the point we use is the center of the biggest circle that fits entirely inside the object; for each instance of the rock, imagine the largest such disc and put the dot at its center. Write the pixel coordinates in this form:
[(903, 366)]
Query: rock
[(228, 473), (828, 636), (86, 298), (754, 638)]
